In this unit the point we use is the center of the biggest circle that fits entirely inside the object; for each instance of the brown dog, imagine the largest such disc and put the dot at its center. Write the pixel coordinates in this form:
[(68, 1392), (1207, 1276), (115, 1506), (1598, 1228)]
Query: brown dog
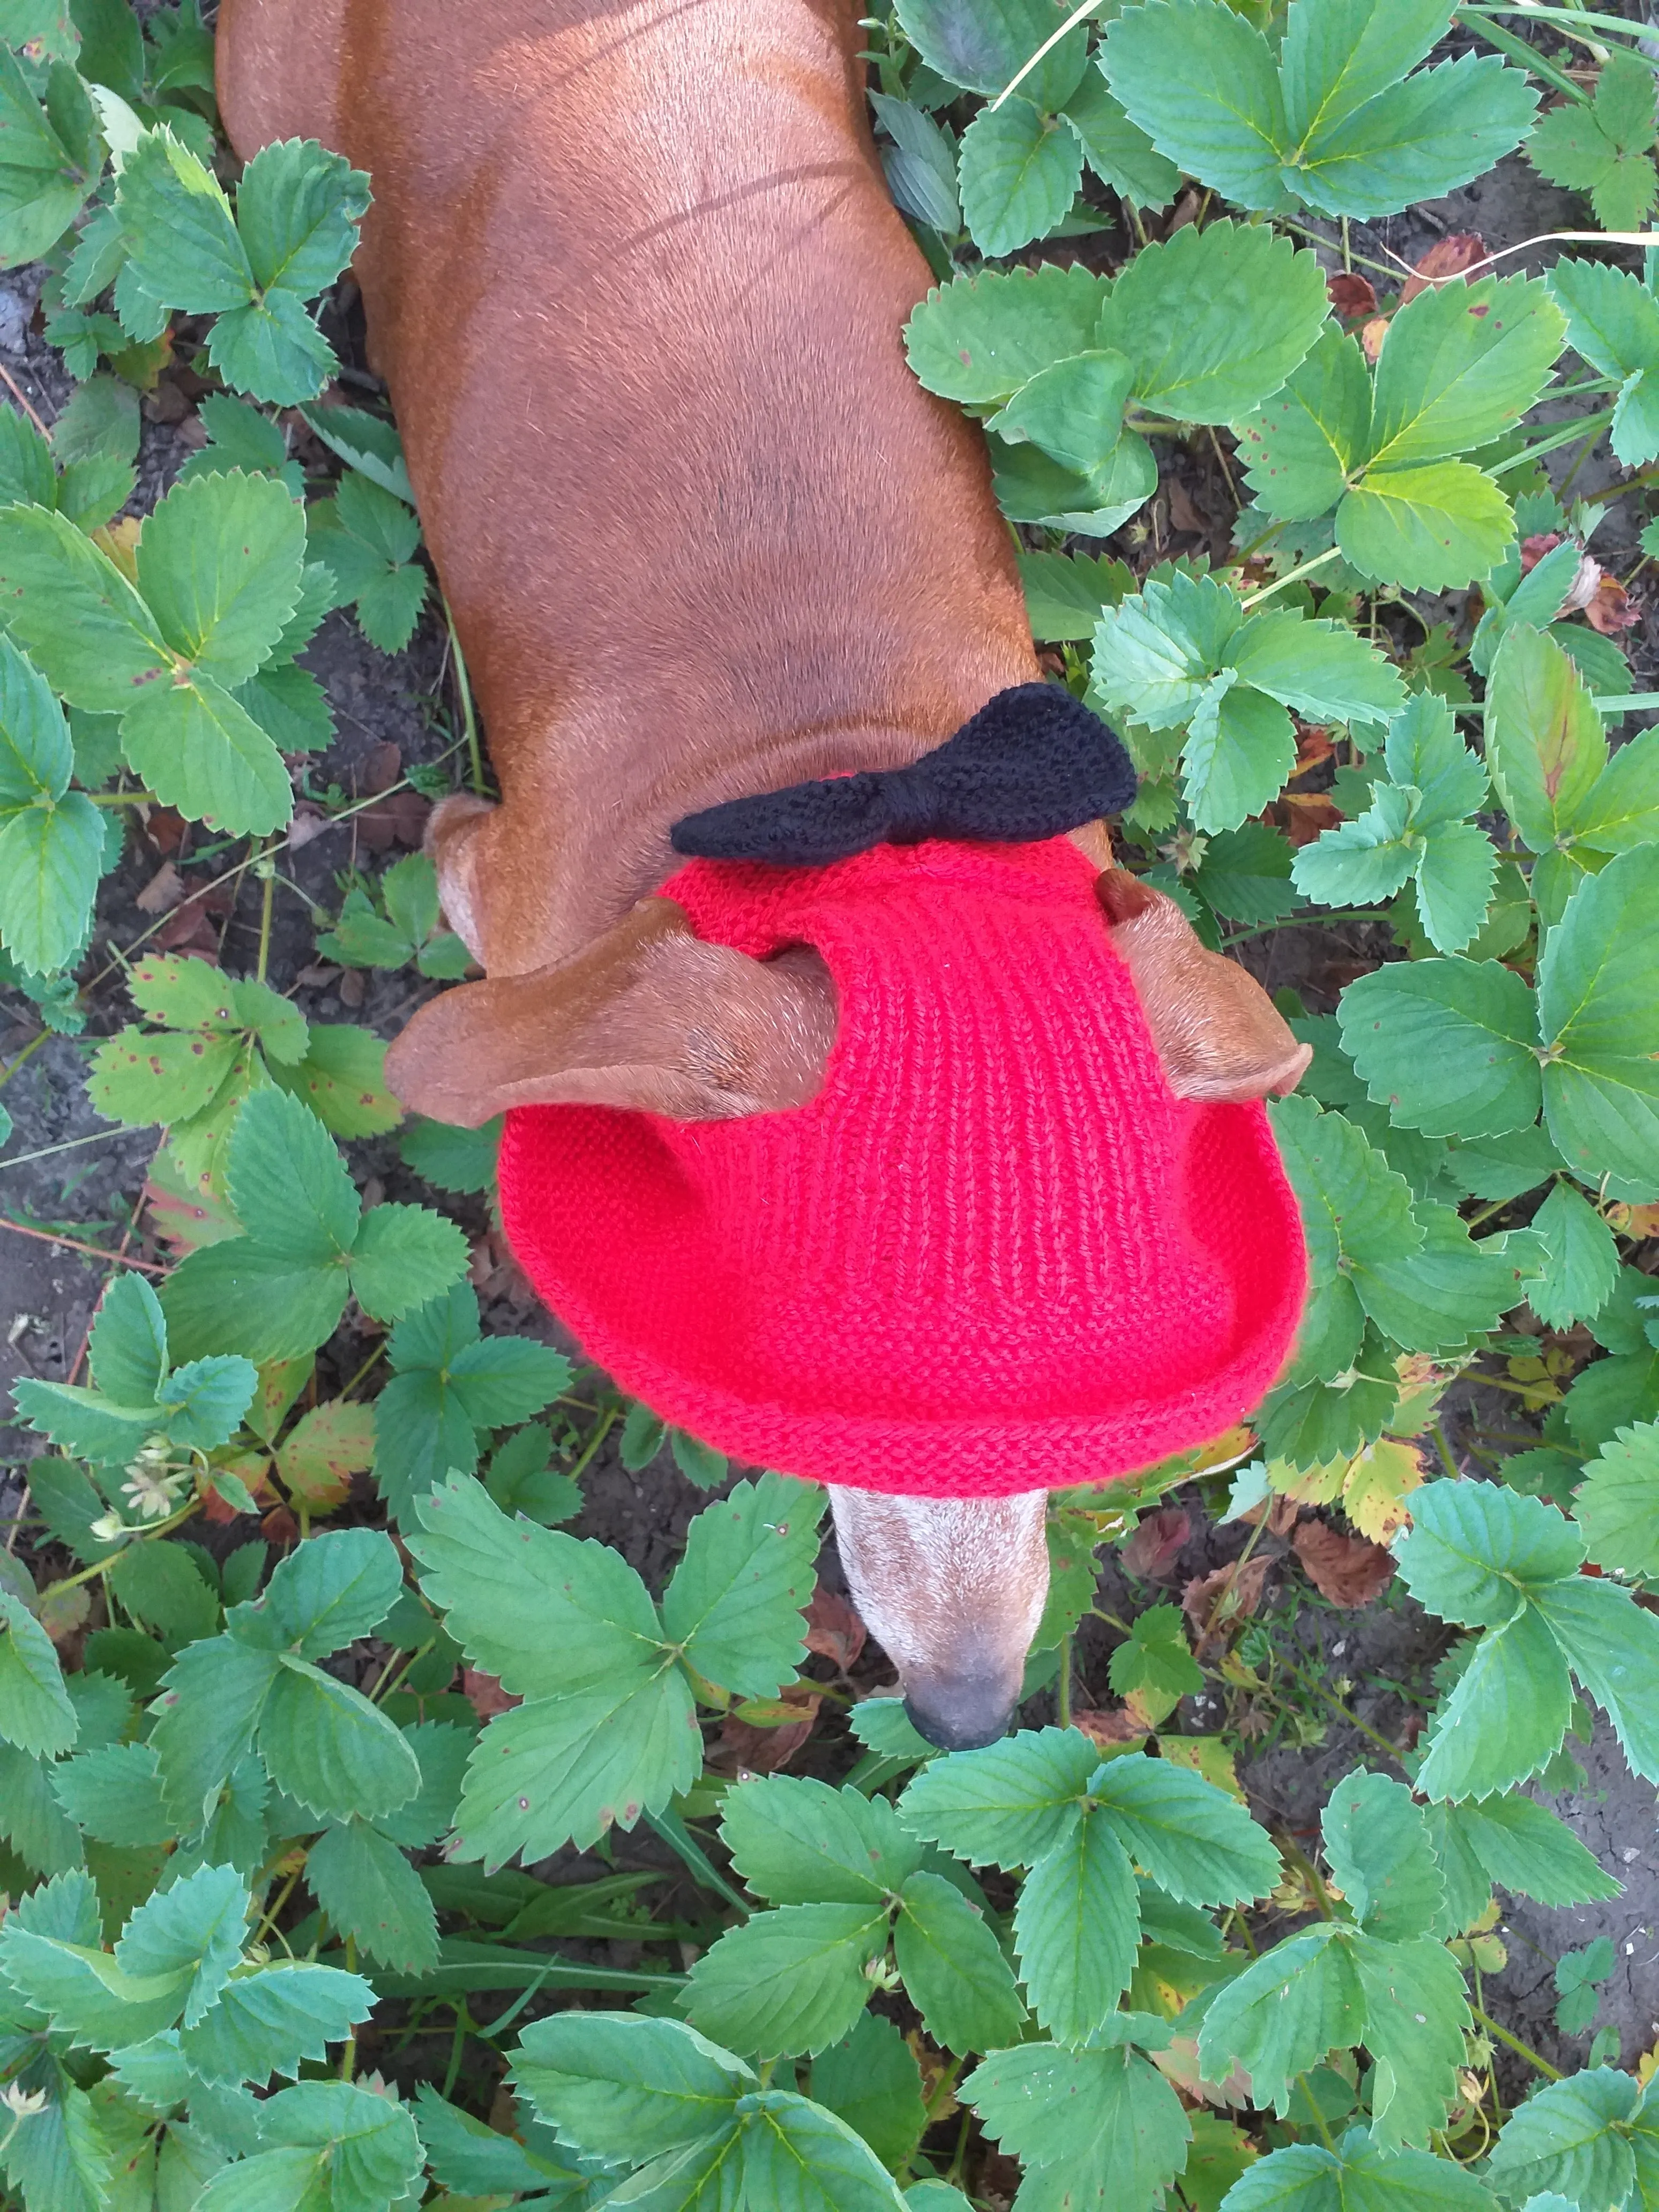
[(636, 283)]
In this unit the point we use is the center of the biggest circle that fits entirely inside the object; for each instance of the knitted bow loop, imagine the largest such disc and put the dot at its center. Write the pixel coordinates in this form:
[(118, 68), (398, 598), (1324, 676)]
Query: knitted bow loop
[(1033, 763)]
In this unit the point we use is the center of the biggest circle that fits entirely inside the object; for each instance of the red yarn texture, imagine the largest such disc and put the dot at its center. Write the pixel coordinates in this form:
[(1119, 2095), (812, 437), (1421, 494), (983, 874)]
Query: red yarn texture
[(995, 1254)]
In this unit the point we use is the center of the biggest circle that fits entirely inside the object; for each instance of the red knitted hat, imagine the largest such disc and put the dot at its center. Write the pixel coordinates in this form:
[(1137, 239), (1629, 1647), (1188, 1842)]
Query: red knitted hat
[(995, 1254)]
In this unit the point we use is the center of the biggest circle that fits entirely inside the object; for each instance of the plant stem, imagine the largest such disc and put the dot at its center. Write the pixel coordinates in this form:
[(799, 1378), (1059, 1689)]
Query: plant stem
[(69, 1145), (1293, 576), (1563, 436), (469, 715), (1524, 2050), (28, 1053), (1063, 1695), (1299, 1859), (122, 798), (102, 1566), (266, 867), (1305, 230), (1319, 2117), (75, 1244), (668, 1825), (607, 1422), (384, 1686), (349, 2056), (1311, 921), (961, 2155), (1312, 1682), (378, 1352), (1518, 50), (267, 1924), (21, 397)]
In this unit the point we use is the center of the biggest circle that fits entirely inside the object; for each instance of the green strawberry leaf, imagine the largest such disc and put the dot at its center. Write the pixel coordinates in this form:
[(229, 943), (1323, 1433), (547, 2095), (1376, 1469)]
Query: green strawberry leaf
[(1581, 1260), (1192, 319), (1377, 1843), (219, 565), (734, 1606), (983, 45), (1095, 2126), (1615, 1508), (371, 1893), (788, 1981), (617, 2087), (1118, 151), (978, 338), (871, 2080), (1009, 1805), (1019, 173), (1449, 1046), (1077, 1930), (1612, 320), (799, 1842), (1328, 120)]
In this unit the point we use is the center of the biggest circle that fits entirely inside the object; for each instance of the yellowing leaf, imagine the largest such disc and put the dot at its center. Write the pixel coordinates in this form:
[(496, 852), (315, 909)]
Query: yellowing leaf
[(1206, 1756), (1310, 1485), (323, 1451), (1376, 1485)]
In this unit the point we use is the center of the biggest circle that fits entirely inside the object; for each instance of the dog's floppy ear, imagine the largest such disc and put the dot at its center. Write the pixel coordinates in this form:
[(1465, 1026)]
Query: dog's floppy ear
[(647, 1016), (1219, 1034)]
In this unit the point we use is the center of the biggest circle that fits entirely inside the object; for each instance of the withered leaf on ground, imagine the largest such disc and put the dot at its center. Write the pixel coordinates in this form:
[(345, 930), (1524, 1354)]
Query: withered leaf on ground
[(164, 888), (1609, 609), (1452, 256), (485, 1694), (1157, 1544), (1215, 1604), (834, 1628), (754, 1750), (1349, 1570), (1351, 295), (1111, 1726)]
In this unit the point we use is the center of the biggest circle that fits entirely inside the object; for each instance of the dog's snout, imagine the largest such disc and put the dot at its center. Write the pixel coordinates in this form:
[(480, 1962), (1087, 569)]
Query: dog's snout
[(960, 1712)]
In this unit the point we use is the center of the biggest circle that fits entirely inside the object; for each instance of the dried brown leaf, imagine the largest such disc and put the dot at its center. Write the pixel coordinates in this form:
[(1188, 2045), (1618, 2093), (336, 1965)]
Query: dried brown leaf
[(1349, 1570), (1448, 258), (1157, 1544), (1111, 1726), (66, 1613), (1609, 609), (484, 1694), (834, 1628), (1352, 295), (754, 1750), (165, 888), (1215, 1604)]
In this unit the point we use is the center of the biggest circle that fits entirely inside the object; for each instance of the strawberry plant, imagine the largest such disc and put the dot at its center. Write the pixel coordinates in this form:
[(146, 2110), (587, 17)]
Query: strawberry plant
[(372, 1831)]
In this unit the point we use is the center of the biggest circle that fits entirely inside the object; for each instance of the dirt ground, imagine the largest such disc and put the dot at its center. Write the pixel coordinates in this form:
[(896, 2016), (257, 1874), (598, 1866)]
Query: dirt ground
[(396, 712)]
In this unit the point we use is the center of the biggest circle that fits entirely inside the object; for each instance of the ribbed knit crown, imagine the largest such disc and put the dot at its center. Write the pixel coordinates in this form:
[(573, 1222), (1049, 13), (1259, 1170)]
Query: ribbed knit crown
[(995, 1254)]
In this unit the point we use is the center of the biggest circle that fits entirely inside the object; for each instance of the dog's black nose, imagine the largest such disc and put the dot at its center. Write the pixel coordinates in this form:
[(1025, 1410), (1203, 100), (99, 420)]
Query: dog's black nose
[(960, 1712)]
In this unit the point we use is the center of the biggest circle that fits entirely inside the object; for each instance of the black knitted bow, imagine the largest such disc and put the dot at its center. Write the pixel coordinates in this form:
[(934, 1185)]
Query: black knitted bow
[(1032, 763)]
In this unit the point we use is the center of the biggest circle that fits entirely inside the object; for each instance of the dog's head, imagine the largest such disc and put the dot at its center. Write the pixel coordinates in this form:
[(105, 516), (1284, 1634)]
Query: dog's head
[(937, 1173)]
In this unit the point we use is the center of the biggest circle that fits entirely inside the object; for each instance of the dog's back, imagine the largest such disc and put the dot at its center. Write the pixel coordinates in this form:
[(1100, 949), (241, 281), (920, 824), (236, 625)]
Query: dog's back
[(636, 285)]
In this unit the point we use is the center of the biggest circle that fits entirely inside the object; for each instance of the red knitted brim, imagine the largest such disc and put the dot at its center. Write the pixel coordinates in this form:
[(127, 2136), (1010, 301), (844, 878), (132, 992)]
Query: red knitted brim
[(556, 1207)]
